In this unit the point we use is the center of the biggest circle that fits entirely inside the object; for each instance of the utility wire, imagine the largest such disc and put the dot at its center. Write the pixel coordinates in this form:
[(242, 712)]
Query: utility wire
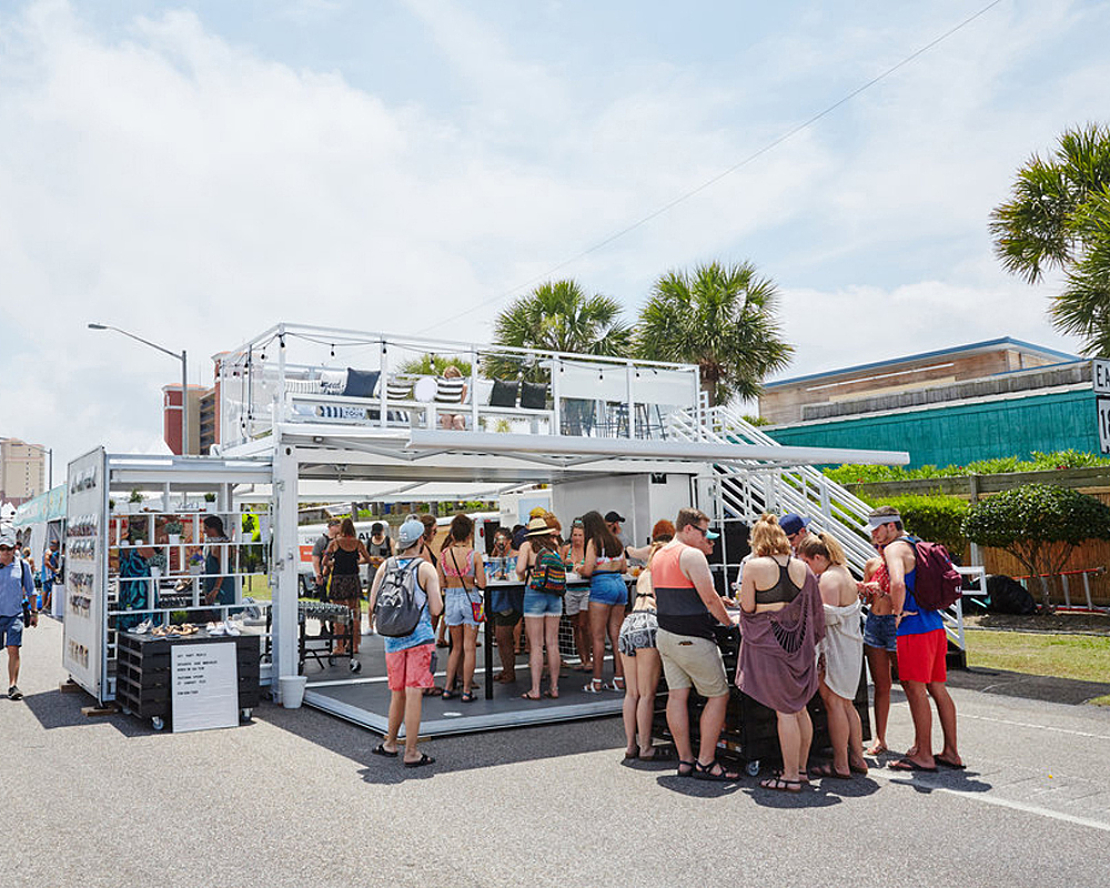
[(732, 169)]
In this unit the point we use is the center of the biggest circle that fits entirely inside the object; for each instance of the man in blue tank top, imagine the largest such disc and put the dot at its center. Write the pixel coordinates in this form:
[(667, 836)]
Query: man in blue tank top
[(922, 647)]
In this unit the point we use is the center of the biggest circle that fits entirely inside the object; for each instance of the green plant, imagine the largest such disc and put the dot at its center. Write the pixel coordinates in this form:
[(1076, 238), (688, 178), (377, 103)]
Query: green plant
[(756, 420), (434, 365), (1059, 218), (1039, 525), (173, 527), (724, 318), (1038, 462), (135, 497), (178, 617), (158, 560), (556, 316), (210, 497), (938, 519)]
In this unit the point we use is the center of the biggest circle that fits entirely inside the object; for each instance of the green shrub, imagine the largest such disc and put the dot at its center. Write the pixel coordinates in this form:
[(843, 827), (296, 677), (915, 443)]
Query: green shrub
[(1039, 524), (1040, 462), (937, 519)]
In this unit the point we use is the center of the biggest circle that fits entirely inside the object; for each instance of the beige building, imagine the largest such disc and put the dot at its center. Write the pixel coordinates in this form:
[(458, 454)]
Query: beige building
[(22, 470)]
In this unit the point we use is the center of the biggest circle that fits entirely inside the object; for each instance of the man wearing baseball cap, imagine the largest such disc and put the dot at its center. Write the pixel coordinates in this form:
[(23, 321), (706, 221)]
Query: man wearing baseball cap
[(16, 583), (795, 527)]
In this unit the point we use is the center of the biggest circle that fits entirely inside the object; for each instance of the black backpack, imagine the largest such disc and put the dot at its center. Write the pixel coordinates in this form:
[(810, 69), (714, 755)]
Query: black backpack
[(400, 601)]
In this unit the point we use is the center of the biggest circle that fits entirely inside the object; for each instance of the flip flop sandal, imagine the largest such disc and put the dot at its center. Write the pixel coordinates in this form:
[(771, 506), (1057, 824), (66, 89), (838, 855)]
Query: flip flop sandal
[(857, 769), (424, 759), (906, 764), (467, 697), (689, 766), (948, 763), (527, 695), (777, 784), (594, 687), (381, 750), (553, 694), (659, 755), (706, 772), (630, 757)]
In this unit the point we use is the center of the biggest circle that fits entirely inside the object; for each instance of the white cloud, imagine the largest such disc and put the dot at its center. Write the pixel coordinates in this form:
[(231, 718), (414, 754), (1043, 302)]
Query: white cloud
[(196, 192)]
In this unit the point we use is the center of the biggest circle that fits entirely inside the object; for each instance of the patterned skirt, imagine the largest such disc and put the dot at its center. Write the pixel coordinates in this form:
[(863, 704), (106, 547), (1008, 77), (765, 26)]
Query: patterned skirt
[(637, 631)]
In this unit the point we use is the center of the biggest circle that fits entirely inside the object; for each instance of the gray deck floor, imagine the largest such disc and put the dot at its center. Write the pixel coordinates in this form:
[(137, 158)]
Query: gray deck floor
[(363, 698)]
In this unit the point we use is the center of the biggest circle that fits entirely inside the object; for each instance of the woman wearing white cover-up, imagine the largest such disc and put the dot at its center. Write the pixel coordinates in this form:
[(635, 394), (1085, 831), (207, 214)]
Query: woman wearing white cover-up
[(841, 653)]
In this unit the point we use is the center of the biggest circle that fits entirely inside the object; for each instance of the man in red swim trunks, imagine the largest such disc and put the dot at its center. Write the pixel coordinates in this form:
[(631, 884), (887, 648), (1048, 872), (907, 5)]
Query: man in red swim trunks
[(922, 646)]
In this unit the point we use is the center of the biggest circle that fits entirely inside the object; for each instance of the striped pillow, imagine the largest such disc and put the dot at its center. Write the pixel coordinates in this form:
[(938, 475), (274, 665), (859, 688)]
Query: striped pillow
[(398, 390), (449, 391)]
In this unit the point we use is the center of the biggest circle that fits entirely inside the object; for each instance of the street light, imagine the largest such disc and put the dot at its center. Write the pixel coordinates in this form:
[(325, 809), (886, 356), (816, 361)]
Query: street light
[(184, 378)]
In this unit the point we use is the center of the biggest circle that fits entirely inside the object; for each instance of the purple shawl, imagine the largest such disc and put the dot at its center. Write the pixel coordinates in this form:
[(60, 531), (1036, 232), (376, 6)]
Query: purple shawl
[(778, 651)]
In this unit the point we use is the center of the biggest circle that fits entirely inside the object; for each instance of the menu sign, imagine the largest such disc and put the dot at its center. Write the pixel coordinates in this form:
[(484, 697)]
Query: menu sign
[(205, 686)]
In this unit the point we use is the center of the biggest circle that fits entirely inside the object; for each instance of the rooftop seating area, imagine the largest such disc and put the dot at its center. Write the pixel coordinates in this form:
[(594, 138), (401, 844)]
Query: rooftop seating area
[(303, 374)]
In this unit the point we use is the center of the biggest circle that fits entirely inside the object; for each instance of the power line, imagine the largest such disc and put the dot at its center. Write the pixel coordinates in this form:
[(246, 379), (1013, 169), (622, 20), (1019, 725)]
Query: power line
[(715, 179)]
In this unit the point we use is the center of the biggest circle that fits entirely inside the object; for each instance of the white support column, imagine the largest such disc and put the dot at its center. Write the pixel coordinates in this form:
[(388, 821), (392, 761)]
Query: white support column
[(383, 380), (631, 398), (284, 579), (557, 418), (282, 402), (473, 390)]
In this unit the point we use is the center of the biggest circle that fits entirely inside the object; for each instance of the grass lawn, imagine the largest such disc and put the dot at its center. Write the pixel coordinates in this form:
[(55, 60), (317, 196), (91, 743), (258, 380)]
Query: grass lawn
[(1083, 657)]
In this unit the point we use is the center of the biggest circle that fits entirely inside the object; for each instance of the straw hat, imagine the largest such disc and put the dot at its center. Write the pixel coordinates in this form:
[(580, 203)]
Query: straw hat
[(537, 527)]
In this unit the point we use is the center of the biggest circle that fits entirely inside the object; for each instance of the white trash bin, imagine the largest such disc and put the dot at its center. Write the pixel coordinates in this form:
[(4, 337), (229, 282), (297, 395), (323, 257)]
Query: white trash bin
[(292, 690)]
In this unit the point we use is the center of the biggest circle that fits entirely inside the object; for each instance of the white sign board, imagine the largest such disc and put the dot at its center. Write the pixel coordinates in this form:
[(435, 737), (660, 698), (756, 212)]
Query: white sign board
[(83, 630), (205, 686), (1100, 377), (1103, 407)]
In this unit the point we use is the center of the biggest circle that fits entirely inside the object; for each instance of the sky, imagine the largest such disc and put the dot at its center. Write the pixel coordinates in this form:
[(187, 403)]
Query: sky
[(196, 172)]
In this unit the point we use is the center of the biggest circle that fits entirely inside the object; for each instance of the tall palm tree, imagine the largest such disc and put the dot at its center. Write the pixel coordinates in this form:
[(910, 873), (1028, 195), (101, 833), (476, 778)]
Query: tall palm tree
[(1059, 217), (558, 316), (720, 317)]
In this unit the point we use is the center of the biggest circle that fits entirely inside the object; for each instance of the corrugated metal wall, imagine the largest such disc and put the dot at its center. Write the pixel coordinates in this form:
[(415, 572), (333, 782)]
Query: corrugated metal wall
[(962, 434)]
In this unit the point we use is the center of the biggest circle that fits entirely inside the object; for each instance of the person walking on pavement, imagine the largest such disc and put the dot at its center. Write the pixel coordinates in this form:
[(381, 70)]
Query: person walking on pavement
[(16, 583)]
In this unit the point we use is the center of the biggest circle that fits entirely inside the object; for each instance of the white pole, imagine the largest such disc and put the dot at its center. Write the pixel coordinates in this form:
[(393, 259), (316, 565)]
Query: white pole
[(286, 556)]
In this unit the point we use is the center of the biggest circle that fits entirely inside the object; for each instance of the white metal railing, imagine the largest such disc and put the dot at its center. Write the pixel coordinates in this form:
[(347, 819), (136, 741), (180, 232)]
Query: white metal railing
[(294, 374), (747, 489)]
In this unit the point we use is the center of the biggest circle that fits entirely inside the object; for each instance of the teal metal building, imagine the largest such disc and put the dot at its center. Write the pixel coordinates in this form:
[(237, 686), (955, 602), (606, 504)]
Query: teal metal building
[(961, 434), (945, 410)]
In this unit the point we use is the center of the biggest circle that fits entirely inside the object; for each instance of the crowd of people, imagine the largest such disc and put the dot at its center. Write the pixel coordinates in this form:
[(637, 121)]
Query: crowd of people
[(798, 607)]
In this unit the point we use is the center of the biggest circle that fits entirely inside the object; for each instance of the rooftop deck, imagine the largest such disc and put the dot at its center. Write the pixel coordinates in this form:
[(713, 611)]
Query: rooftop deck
[(322, 376)]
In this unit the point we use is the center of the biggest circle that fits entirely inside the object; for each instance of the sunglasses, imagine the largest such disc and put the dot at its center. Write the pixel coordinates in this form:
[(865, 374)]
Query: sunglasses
[(577, 522), (704, 531)]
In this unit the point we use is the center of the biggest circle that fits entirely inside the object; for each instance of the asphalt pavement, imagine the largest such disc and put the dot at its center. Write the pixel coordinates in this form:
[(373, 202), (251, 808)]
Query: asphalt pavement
[(295, 798)]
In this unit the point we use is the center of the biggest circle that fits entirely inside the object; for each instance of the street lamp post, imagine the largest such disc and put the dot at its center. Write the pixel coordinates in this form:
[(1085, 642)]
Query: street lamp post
[(184, 378)]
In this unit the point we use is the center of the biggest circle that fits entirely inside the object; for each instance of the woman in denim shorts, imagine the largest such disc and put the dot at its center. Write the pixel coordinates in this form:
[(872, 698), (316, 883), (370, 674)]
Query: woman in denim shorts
[(605, 566), (642, 666), (462, 575), (880, 643), (543, 605)]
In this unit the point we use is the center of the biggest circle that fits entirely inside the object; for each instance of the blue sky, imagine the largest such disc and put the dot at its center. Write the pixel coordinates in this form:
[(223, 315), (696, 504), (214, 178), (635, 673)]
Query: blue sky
[(198, 171)]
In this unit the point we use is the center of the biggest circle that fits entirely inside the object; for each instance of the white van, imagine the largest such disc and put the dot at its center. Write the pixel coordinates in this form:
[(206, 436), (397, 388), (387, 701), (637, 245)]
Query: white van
[(485, 526)]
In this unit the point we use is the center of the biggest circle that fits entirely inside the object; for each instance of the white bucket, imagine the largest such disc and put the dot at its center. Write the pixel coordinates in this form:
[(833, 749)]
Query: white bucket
[(292, 690)]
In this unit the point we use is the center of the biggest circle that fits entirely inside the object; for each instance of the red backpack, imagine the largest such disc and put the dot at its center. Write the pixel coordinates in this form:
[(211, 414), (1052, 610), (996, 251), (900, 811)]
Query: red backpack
[(938, 584)]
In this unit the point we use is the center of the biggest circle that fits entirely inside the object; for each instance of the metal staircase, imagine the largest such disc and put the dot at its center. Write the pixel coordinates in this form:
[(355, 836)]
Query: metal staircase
[(744, 490), (747, 489)]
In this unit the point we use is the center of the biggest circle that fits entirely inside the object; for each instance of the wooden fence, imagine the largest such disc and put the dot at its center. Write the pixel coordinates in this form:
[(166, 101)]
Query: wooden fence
[(1094, 480)]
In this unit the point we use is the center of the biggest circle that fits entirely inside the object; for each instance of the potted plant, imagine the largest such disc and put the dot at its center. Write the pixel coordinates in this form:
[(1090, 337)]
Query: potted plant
[(196, 564), (173, 531), (135, 502), (209, 498), (157, 564)]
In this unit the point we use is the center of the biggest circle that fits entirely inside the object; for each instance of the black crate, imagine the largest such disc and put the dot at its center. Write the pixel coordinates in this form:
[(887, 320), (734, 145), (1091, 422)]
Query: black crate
[(143, 672)]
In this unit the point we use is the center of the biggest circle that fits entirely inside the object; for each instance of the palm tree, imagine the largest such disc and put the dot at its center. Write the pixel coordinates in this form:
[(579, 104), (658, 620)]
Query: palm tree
[(557, 316), (722, 318), (1059, 217)]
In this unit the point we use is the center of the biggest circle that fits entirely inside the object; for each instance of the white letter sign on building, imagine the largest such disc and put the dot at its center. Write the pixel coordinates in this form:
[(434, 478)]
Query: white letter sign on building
[(1100, 380)]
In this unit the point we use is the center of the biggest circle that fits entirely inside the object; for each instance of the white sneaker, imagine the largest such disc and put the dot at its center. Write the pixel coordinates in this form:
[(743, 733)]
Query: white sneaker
[(231, 629), (216, 629)]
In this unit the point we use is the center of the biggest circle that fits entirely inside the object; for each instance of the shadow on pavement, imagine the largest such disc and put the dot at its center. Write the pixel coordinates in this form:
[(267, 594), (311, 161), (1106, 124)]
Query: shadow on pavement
[(461, 753)]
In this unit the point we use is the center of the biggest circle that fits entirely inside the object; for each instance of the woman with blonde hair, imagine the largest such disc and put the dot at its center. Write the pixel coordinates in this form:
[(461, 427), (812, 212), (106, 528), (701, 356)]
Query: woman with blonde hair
[(841, 658), (782, 621)]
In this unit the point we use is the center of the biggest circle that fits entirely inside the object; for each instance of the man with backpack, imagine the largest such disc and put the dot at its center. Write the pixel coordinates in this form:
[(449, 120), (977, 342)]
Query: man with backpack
[(404, 599), (922, 641), (16, 583)]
